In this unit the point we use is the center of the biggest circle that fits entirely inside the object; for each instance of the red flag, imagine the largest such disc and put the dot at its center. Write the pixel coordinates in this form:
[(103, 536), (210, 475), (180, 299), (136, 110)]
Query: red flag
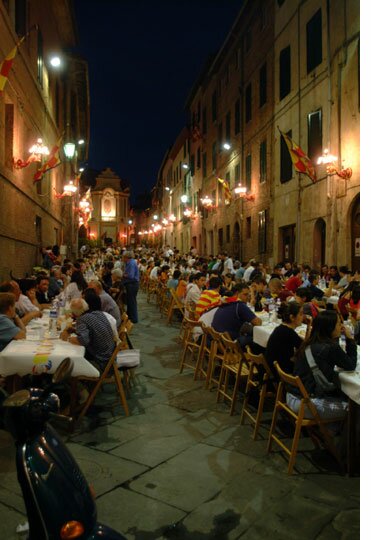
[(300, 160), (52, 162), (6, 64), (227, 191)]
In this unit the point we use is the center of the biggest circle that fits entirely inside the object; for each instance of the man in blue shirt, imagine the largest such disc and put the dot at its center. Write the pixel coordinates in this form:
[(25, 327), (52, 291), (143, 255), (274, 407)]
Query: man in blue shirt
[(230, 316), (11, 326), (131, 284)]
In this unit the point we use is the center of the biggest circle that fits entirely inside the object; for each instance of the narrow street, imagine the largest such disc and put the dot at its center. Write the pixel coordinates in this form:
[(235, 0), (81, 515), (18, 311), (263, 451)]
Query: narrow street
[(180, 467)]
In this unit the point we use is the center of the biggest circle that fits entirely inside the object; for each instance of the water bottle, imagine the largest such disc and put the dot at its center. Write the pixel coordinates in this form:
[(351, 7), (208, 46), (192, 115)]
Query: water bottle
[(53, 319), (271, 310)]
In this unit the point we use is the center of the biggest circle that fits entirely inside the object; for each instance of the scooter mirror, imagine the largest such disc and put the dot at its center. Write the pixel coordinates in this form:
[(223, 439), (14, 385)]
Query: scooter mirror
[(17, 399), (63, 371)]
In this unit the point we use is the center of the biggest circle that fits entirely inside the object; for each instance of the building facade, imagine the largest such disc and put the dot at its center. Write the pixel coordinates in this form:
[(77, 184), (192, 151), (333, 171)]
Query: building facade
[(39, 102), (287, 64), (110, 220)]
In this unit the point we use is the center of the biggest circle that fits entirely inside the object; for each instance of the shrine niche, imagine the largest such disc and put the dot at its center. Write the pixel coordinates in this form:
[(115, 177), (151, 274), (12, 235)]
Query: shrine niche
[(110, 216)]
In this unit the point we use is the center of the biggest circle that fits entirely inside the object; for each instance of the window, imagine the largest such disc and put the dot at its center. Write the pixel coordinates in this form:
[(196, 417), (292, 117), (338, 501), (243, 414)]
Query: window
[(263, 161), (262, 231), (315, 134), (198, 118), (9, 134), (263, 85), (314, 41), (214, 154), (220, 237), (228, 233), (198, 157), (204, 162), (228, 178), (184, 149), (237, 174), (192, 164), (228, 127), (220, 134), (204, 121), (20, 17), (248, 39), (248, 172), (248, 103), (286, 162), (285, 72), (38, 230), (40, 58), (214, 106), (237, 117), (248, 227)]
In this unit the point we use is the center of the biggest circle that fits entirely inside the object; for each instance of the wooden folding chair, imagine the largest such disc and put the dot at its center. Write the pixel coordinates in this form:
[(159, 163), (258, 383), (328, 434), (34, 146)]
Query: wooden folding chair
[(111, 366), (306, 406), (190, 347), (235, 364), (175, 305), (216, 356), (204, 353), (259, 378)]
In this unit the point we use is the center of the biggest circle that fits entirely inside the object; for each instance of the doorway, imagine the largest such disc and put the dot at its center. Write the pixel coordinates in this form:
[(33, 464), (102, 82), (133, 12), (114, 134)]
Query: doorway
[(287, 242), (319, 244), (236, 241), (355, 224)]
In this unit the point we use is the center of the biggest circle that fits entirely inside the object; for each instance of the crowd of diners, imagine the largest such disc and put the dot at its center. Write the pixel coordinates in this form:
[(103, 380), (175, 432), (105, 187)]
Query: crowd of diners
[(224, 293)]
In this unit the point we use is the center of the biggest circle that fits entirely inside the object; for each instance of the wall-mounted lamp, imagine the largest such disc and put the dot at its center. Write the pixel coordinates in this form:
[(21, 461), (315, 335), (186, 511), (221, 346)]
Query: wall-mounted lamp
[(55, 61), (207, 202), (172, 218), (227, 146), (185, 166), (130, 221), (69, 149), (329, 160), (184, 199), (241, 192), (70, 188), (167, 188)]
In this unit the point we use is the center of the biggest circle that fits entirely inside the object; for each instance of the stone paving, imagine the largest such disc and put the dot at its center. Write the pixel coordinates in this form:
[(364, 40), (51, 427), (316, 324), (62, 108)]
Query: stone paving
[(180, 467)]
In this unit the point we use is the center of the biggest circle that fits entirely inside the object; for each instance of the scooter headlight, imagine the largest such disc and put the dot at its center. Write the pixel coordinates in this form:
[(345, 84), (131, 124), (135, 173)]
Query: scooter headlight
[(72, 529)]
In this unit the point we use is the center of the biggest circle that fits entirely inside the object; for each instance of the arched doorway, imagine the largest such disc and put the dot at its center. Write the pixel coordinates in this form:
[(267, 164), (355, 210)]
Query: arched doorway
[(236, 244), (355, 226), (319, 243)]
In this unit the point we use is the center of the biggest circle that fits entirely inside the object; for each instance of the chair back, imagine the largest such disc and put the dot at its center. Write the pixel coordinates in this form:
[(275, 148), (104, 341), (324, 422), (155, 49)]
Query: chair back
[(233, 352)]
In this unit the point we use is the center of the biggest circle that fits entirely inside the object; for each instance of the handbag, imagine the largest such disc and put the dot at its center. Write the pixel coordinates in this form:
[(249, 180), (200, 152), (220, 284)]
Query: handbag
[(129, 358), (323, 385)]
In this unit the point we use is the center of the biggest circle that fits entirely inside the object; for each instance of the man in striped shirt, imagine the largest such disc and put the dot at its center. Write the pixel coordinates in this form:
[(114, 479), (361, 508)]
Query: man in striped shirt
[(210, 297)]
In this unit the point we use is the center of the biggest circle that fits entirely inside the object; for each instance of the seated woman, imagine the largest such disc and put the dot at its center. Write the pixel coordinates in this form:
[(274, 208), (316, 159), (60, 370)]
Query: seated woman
[(27, 301), (75, 287), (284, 341), (323, 344)]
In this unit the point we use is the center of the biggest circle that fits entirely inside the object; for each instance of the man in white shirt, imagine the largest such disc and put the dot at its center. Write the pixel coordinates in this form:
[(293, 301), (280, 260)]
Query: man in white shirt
[(227, 265), (249, 269), (194, 290)]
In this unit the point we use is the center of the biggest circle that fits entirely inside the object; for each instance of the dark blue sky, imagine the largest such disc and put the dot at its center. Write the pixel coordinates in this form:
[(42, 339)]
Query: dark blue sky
[(144, 56)]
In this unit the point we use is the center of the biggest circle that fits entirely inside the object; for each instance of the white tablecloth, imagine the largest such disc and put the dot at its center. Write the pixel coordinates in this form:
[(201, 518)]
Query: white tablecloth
[(261, 333), (349, 380), (24, 357)]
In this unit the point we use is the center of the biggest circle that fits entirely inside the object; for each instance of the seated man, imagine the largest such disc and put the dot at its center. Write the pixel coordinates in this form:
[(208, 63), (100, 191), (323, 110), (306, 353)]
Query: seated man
[(230, 317), (108, 303), (11, 327), (27, 301), (55, 282), (13, 287), (257, 288), (93, 331), (194, 291), (210, 297)]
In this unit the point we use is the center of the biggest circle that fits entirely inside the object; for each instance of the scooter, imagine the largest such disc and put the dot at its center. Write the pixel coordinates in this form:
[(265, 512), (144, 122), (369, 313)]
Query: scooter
[(58, 499)]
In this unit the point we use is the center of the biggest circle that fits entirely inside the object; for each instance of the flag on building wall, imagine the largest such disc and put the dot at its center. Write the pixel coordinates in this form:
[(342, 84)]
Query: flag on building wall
[(300, 160), (53, 161), (226, 188), (6, 64)]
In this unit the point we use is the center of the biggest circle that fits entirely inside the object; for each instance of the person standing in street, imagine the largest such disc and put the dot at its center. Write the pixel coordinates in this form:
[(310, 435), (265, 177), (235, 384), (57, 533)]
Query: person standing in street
[(131, 284)]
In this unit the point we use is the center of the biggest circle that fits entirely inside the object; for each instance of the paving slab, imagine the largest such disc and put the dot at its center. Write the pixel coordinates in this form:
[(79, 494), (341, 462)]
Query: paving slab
[(193, 476), (137, 516), (103, 470)]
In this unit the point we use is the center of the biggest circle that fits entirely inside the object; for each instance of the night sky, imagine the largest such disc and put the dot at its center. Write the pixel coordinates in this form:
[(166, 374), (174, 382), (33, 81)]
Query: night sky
[(144, 56)]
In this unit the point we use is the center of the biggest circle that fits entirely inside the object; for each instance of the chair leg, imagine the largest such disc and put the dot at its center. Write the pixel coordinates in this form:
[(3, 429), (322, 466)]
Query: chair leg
[(120, 389), (91, 398), (263, 392), (234, 395), (272, 428), (295, 442), (221, 384)]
